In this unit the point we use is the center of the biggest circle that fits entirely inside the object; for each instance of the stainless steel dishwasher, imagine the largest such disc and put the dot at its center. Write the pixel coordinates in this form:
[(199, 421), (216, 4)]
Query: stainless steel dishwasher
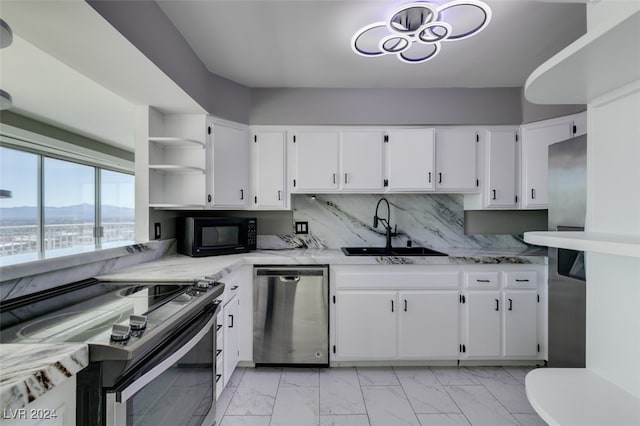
[(291, 316)]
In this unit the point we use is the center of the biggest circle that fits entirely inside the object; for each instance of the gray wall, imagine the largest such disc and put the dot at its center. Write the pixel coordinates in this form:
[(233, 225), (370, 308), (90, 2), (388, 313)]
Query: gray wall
[(386, 106), (535, 112), (161, 42)]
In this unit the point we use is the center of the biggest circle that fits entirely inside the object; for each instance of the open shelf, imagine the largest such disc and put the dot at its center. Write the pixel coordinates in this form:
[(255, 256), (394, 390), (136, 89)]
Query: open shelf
[(578, 396), (174, 168), (171, 141), (622, 245), (604, 59)]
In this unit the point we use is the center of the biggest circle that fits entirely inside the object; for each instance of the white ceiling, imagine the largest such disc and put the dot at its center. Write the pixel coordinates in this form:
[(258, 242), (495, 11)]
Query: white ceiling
[(304, 43)]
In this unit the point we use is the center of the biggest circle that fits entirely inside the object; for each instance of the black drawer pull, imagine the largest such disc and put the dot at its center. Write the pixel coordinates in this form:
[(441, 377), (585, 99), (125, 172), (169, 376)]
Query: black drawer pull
[(231, 318), (235, 287), (521, 281), (218, 352), (429, 177), (218, 377), (405, 305), (494, 194), (510, 305), (497, 304), (218, 327), (439, 177), (392, 306), (483, 281)]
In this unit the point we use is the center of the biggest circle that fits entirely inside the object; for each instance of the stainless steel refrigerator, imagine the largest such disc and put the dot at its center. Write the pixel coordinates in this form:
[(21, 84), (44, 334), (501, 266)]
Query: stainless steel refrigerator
[(567, 292)]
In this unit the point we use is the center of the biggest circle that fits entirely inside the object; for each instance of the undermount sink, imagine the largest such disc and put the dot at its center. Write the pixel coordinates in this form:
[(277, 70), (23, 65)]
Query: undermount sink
[(395, 251)]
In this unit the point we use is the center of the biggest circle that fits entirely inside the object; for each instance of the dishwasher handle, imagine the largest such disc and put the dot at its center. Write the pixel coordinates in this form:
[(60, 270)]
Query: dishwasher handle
[(289, 279), (289, 273)]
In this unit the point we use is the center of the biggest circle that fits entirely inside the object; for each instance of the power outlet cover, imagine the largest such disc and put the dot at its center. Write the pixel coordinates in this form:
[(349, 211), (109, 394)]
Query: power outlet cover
[(302, 227)]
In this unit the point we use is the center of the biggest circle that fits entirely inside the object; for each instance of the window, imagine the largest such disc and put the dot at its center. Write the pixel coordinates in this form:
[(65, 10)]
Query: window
[(52, 207)]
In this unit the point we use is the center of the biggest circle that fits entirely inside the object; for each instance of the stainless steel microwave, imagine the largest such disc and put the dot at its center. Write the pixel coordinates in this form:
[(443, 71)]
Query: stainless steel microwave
[(211, 236)]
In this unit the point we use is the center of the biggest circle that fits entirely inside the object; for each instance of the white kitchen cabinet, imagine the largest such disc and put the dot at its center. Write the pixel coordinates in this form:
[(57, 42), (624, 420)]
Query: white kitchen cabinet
[(268, 158), (482, 324), (228, 165), (361, 159), (498, 170), (57, 407), (410, 160), (231, 337), (579, 124), (456, 160), (367, 324), (520, 323), (314, 161), (536, 139), (428, 324)]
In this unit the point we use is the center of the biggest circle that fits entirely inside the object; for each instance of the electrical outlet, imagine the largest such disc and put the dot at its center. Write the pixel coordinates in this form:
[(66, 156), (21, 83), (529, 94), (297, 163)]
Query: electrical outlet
[(156, 231), (302, 227)]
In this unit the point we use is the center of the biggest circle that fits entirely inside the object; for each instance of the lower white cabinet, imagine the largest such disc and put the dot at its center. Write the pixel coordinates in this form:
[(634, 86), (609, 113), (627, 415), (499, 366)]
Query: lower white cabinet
[(231, 342), (439, 312)]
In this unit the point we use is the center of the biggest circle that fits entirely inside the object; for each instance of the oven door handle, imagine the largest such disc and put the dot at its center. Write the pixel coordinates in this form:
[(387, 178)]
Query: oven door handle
[(126, 393)]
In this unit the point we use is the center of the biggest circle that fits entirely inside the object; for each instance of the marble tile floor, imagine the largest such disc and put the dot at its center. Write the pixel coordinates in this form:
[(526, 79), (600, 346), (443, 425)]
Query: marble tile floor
[(384, 396)]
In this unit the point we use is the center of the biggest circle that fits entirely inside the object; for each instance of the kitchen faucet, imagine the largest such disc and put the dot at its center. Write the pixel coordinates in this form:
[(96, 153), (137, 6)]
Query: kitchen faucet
[(385, 222)]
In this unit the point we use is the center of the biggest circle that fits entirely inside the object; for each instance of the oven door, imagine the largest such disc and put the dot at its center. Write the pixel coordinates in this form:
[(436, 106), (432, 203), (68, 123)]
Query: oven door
[(175, 386)]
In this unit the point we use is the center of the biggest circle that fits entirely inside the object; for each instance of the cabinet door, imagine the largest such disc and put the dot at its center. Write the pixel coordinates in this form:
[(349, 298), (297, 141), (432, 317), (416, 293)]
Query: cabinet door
[(428, 324), (456, 160), (366, 324), (535, 161), (410, 160), (362, 166), (501, 165), (579, 124), (268, 162), (521, 323), (231, 327), (482, 324), (315, 161), (229, 161)]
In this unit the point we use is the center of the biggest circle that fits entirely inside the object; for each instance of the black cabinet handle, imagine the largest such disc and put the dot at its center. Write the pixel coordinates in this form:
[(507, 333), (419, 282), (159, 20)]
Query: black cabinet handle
[(218, 352), (345, 177), (483, 281), (494, 194), (521, 281), (439, 177), (209, 198), (218, 377), (334, 178), (235, 287), (429, 177), (510, 305), (279, 195), (497, 304), (218, 327), (533, 193), (242, 194), (231, 318), (392, 306), (405, 305)]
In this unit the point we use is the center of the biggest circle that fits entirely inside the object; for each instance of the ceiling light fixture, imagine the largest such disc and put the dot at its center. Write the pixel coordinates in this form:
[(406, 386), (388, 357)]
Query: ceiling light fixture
[(415, 31)]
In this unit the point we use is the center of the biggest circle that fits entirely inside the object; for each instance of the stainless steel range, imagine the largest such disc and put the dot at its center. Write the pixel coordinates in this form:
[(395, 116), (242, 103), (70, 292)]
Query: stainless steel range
[(152, 347)]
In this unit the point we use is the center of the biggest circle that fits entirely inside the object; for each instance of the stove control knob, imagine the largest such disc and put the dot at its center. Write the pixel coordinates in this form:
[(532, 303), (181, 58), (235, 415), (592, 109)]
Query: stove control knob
[(202, 285), (120, 333), (137, 322)]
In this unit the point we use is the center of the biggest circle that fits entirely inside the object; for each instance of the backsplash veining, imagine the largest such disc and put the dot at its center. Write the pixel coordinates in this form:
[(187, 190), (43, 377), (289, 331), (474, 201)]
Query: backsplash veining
[(429, 220)]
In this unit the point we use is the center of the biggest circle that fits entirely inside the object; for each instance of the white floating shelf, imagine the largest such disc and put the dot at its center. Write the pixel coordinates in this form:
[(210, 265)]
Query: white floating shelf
[(173, 168), (177, 142), (604, 59), (165, 206), (622, 245), (578, 396)]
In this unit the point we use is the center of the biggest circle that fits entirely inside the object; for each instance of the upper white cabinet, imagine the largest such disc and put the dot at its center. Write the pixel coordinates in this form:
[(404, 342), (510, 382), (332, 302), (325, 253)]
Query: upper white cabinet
[(268, 159), (314, 161), (498, 170), (455, 160), (536, 139), (410, 160), (361, 160), (228, 165)]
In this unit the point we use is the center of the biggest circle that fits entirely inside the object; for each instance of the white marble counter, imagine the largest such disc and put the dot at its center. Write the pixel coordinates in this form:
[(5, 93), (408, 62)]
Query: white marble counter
[(184, 268), (28, 371)]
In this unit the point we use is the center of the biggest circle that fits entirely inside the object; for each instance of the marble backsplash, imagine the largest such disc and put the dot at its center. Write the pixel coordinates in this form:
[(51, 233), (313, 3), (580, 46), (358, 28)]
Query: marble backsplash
[(429, 220), (93, 264)]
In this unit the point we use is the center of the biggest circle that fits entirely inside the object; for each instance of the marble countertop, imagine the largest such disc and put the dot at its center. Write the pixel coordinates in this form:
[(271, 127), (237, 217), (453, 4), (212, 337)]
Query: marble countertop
[(185, 268), (28, 371)]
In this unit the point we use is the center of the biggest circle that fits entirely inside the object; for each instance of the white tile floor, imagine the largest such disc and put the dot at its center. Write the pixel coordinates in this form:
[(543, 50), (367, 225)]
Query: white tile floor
[(490, 396)]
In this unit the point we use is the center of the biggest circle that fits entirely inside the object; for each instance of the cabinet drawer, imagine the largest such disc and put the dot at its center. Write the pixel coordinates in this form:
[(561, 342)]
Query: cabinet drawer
[(400, 279), (231, 288), (521, 279), (481, 279)]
